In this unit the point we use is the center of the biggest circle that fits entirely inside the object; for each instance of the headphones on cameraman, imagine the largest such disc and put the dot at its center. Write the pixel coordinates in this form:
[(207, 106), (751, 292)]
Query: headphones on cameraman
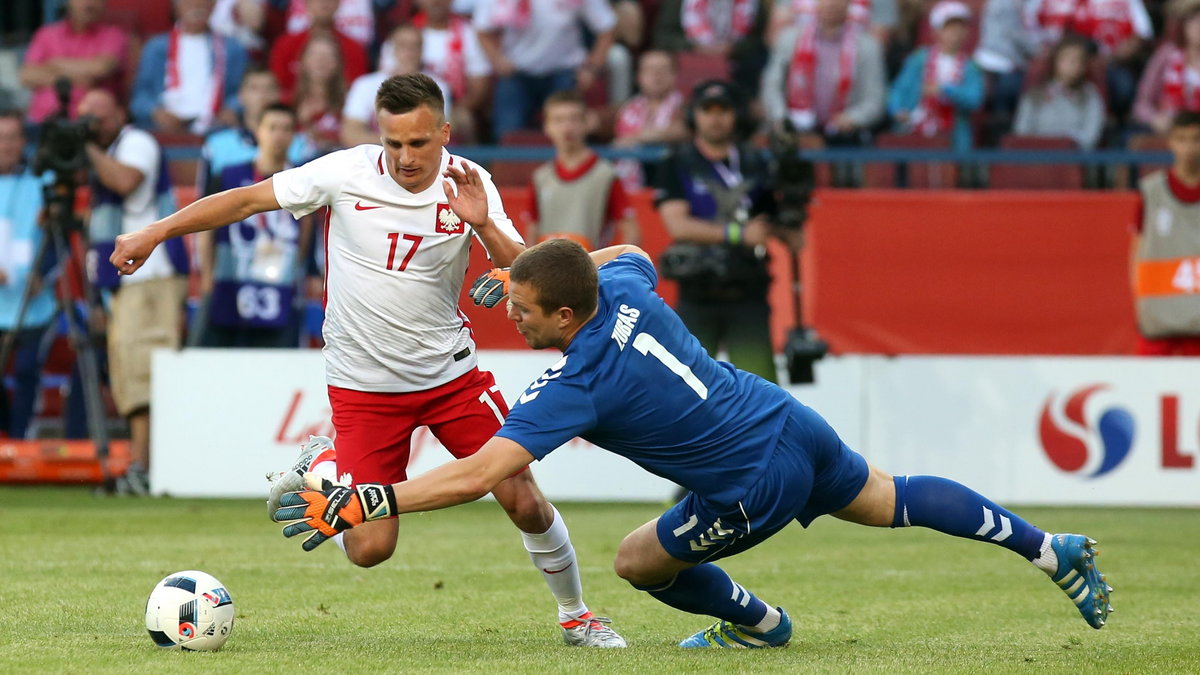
[(743, 126)]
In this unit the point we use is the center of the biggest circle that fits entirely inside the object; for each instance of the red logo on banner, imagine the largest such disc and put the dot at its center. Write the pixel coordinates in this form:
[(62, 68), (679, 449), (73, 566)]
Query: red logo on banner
[(448, 221), (1067, 437)]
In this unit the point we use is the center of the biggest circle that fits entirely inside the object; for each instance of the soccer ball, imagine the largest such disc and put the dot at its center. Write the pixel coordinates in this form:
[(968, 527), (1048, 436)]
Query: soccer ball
[(191, 611)]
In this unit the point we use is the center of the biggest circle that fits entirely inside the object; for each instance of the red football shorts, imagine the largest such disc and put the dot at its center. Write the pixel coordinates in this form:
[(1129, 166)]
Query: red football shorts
[(374, 429)]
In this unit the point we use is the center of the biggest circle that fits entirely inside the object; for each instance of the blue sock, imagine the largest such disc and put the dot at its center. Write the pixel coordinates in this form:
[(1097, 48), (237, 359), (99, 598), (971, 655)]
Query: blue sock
[(946, 506), (707, 589)]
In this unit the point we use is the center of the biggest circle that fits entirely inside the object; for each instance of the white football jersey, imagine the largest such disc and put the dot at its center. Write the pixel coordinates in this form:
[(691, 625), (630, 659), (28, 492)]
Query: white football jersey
[(395, 262)]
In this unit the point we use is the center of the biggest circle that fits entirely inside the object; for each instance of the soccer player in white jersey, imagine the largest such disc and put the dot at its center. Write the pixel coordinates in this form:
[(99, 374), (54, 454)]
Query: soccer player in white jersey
[(398, 352)]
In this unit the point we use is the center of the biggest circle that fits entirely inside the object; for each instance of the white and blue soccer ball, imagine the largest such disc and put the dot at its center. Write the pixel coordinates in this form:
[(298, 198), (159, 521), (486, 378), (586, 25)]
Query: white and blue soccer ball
[(191, 611)]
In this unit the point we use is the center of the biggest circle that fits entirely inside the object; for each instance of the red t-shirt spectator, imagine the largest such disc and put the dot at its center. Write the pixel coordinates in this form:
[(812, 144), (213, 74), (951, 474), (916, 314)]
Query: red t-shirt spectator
[(285, 59)]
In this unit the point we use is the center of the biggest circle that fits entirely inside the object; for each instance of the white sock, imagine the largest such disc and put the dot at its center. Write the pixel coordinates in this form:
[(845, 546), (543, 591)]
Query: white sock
[(1047, 559), (552, 553), (339, 540), (769, 622)]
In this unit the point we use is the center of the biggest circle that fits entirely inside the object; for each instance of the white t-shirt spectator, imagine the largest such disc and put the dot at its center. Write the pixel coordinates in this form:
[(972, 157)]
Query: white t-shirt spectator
[(547, 38), (193, 98), (360, 100), (354, 18), (436, 53), (138, 149)]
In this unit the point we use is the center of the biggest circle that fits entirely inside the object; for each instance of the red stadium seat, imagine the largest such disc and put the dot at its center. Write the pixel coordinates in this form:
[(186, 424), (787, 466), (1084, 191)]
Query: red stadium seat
[(921, 175), (144, 18), (1036, 176), (1147, 142), (695, 68), (525, 137), (513, 172)]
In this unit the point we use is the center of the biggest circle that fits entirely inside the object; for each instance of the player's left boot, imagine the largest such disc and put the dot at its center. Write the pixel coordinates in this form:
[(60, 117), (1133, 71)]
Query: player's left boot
[(1080, 579), (316, 449), (590, 631), (732, 636)]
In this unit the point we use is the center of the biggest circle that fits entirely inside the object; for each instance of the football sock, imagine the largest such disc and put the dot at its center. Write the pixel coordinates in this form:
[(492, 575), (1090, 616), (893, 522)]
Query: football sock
[(552, 553), (946, 506), (707, 589), (769, 622)]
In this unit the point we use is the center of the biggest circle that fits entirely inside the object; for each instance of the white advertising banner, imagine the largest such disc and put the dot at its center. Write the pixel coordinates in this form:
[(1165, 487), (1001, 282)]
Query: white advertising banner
[(1042, 430), (1020, 430)]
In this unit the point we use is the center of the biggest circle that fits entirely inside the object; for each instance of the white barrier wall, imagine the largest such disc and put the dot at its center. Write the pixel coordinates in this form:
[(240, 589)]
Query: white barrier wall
[(1022, 430)]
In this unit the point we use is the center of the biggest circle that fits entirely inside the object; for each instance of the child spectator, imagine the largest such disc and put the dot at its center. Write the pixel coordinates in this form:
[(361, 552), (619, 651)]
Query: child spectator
[(1171, 81), (1068, 104), (939, 86), (285, 54), (655, 115), (320, 93), (578, 193)]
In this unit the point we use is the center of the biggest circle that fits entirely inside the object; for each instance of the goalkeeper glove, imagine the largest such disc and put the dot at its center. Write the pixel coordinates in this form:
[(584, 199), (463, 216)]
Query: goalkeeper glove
[(330, 508), (490, 288)]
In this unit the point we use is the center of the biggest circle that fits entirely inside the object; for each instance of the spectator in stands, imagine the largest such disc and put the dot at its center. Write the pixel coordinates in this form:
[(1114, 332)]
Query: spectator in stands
[(715, 196), (880, 17), (939, 86), (130, 190), (20, 237), (285, 53), (654, 116), (353, 18), (536, 48), (578, 193), (242, 21), (827, 78), (359, 124), (451, 52), (80, 48), (188, 79), (1120, 28), (1166, 247), (1067, 104), (237, 145), (249, 271), (1171, 81), (732, 29), (628, 35), (320, 93), (1008, 41)]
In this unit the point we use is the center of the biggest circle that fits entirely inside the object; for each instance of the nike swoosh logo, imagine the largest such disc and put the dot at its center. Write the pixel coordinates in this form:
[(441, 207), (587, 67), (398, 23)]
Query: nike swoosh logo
[(358, 206), (557, 571)]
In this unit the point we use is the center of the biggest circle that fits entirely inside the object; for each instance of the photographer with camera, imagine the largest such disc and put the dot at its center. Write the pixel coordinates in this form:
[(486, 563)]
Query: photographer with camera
[(715, 197), (131, 189), (20, 238)]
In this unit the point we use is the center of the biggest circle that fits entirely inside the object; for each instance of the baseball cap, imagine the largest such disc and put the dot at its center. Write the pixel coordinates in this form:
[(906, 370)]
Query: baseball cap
[(947, 11), (714, 91)]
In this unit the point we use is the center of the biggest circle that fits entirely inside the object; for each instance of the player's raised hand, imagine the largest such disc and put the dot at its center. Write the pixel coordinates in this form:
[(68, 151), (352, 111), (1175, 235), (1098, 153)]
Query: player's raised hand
[(328, 508), (470, 203), (132, 250), (490, 288)]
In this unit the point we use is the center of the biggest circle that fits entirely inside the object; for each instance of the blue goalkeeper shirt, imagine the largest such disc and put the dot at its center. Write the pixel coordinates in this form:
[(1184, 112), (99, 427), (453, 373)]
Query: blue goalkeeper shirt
[(634, 381)]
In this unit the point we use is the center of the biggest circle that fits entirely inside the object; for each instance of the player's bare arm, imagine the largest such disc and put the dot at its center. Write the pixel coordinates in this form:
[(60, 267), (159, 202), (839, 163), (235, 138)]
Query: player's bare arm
[(327, 508), (208, 213), (470, 203)]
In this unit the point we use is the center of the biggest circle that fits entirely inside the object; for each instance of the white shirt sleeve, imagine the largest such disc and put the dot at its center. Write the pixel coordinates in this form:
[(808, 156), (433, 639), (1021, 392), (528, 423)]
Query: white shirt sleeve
[(1140, 19), (304, 189), (599, 15), (482, 18), (138, 149), (478, 64), (360, 100)]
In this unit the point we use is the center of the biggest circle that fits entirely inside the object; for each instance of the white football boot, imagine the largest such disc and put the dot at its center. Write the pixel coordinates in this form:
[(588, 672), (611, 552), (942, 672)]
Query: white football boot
[(317, 449)]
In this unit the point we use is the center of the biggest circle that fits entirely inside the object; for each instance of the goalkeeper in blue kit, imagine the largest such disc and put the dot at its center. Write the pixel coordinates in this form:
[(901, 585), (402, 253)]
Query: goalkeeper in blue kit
[(633, 381)]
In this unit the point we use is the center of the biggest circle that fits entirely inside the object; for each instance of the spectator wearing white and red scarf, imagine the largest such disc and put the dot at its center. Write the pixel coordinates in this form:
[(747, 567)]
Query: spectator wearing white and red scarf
[(1121, 30), (1171, 81), (536, 48), (188, 78), (730, 28), (826, 77), (939, 86), (654, 116)]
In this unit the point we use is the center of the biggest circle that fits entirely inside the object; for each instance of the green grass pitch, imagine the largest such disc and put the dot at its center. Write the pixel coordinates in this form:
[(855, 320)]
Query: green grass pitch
[(460, 595)]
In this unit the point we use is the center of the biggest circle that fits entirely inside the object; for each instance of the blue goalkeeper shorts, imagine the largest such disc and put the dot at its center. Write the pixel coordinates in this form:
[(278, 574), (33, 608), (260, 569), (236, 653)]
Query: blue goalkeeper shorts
[(811, 473)]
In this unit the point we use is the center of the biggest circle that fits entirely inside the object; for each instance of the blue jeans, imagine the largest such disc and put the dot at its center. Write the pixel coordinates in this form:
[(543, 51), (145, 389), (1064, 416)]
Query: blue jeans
[(519, 94)]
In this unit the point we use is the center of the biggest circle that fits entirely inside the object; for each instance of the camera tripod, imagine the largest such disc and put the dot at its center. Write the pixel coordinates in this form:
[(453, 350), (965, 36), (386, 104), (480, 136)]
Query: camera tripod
[(60, 224)]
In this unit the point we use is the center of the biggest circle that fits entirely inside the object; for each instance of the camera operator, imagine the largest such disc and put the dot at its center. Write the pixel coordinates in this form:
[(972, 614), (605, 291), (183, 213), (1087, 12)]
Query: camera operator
[(130, 190), (20, 237), (715, 197)]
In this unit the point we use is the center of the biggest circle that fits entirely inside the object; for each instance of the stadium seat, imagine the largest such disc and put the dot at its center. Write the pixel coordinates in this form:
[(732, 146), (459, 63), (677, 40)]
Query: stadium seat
[(1036, 176), (695, 68), (1147, 143), (525, 137), (513, 172), (144, 18), (920, 175)]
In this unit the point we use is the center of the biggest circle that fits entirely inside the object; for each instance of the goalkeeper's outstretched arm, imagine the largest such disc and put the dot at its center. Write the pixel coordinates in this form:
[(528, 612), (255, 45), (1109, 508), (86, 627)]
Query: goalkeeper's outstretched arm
[(208, 213)]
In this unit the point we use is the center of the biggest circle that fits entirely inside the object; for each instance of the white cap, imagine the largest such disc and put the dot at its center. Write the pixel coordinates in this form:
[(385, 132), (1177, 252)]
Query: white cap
[(946, 11)]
